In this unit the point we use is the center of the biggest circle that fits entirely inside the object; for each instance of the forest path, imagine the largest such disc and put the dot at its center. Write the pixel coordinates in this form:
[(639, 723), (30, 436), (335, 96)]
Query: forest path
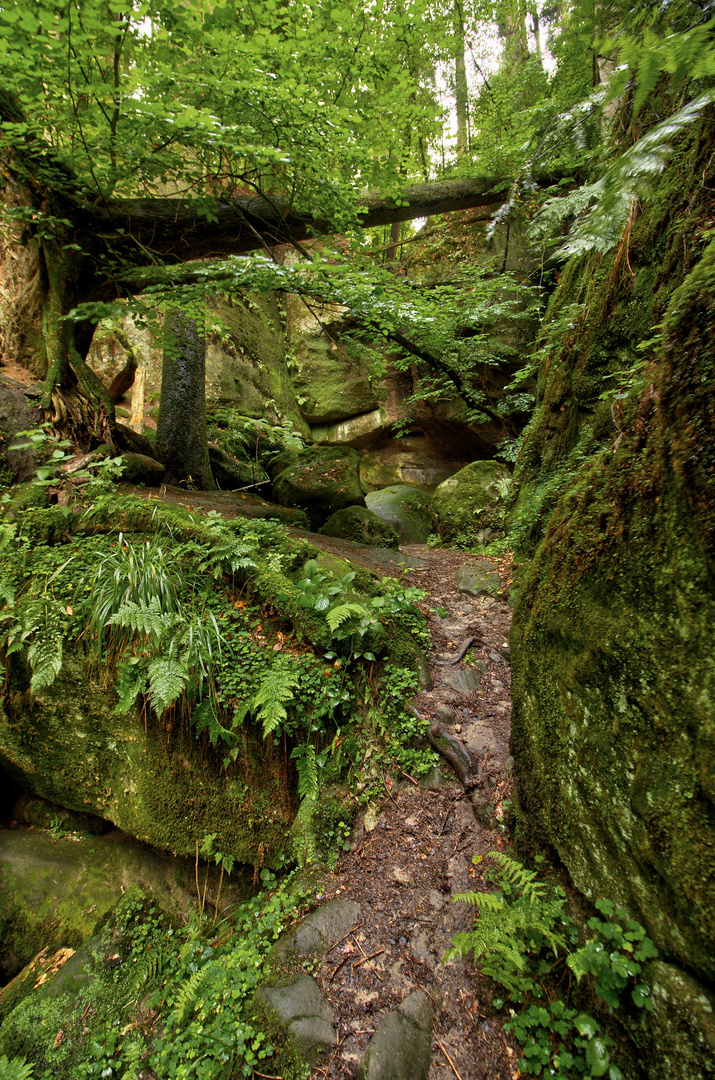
[(405, 870)]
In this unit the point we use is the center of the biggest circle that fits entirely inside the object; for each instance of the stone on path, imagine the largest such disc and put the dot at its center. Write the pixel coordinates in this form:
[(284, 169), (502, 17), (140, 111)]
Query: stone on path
[(476, 581), (322, 928), (302, 1008), (400, 1049), (465, 681)]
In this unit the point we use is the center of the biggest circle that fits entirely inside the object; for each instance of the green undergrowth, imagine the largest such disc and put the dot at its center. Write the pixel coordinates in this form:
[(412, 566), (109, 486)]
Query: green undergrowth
[(221, 626), (555, 970), (145, 997)]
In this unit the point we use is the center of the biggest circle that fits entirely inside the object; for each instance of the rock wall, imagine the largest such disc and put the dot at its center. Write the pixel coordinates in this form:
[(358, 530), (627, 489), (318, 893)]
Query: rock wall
[(277, 358), (613, 669), (156, 782)]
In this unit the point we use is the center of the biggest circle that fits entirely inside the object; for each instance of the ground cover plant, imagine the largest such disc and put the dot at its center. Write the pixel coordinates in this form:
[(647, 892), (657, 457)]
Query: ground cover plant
[(525, 938)]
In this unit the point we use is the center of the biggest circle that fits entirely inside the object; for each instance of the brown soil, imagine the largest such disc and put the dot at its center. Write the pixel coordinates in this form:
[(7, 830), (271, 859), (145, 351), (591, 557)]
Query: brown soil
[(406, 870)]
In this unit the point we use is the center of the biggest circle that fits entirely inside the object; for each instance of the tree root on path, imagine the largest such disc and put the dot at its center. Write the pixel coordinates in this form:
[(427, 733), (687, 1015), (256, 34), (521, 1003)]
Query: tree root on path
[(468, 772), (462, 652)]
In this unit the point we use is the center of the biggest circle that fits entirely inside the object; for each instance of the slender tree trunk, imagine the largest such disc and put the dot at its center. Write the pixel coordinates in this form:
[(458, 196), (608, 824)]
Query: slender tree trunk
[(461, 90), (511, 21), (181, 430)]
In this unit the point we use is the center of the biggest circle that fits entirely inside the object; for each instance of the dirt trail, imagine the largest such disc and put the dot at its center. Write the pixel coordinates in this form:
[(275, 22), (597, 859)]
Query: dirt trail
[(405, 871)]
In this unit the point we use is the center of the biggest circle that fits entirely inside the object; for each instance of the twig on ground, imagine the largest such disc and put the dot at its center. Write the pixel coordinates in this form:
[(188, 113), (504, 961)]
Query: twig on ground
[(335, 970), (378, 953), (411, 778), (355, 927), (372, 966), (454, 1067), (451, 808), (424, 991)]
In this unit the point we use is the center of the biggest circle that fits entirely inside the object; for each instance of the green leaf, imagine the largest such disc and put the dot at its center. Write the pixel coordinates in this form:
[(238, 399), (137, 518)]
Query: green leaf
[(586, 1025)]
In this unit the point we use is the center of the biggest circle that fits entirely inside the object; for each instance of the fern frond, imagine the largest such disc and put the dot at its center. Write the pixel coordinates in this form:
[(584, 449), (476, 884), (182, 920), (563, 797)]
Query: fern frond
[(146, 619), (15, 1069), (167, 682), (132, 1054), (132, 680), (187, 998), (486, 901), (307, 765), (517, 874), (205, 718), (269, 701), (45, 659), (337, 615), (7, 592)]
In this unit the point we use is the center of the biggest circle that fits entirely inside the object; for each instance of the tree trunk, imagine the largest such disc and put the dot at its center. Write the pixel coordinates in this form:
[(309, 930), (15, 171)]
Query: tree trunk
[(73, 396), (181, 430), (461, 90)]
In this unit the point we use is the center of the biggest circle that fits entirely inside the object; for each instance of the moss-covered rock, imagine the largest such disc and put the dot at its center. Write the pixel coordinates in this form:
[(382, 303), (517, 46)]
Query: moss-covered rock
[(331, 382), (43, 814), (72, 748), (231, 471), (679, 1035), (55, 889), (412, 460), (319, 481), (140, 469), (247, 360), (16, 414), (361, 525), (408, 510), (470, 505), (613, 674)]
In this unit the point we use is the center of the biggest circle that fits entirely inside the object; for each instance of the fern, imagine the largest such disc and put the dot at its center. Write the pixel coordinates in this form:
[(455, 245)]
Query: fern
[(307, 766), (167, 681), (612, 197), (15, 1069), (512, 924), (205, 718), (132, 1054), (187, 999), (7, 592), (229, 553), (338, 615), (132, 682), (45, 659), (147, 619), (269, 701)]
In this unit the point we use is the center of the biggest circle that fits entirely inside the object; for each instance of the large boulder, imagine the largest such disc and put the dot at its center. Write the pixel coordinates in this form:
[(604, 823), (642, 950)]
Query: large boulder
[(330, 379), (360, 525), (17, 413), (411, 460), (355, 431), (471, 505), (140, 469), (319, 481), (56, 887), (613, 679), (408, 510), (71, 747)]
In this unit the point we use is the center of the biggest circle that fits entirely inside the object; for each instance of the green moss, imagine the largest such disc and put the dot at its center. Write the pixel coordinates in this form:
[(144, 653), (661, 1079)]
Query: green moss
[(472, 501), (360, 525), (613, 675)]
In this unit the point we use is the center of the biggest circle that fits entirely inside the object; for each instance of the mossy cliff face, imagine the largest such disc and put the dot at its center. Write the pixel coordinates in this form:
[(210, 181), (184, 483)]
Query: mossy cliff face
[(154, 782), (614, 674)]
